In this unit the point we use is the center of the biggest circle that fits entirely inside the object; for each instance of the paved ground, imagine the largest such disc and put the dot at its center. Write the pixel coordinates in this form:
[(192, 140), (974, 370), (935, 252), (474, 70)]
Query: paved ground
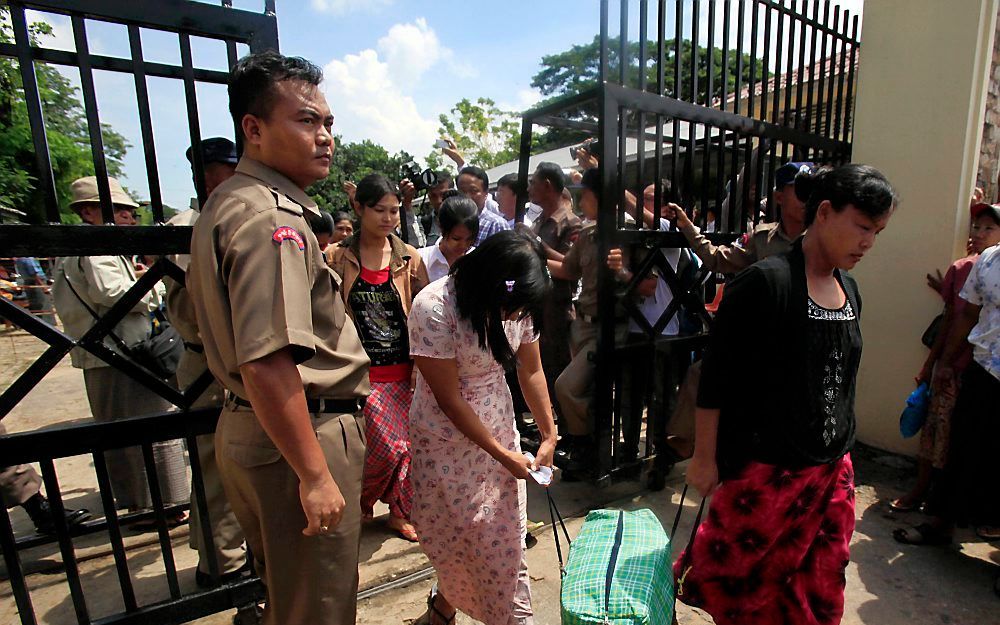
[(888, 584)]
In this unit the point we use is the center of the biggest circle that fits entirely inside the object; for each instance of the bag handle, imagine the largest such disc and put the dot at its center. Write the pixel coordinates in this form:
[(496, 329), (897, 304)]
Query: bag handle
[(686, 557), (555, 516)]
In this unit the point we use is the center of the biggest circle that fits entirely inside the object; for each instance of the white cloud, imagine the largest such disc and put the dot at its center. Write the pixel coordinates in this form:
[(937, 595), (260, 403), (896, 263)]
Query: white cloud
[(340, 7), (371, 92)]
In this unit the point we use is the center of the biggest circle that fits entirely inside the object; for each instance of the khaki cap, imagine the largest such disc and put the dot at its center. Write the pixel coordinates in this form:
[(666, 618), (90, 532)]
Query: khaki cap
[(85, 192)]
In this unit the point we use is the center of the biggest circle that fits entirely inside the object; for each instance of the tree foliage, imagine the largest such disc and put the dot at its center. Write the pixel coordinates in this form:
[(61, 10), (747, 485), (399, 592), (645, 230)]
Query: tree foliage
[(66, 130), (486, 135), (352, 162)]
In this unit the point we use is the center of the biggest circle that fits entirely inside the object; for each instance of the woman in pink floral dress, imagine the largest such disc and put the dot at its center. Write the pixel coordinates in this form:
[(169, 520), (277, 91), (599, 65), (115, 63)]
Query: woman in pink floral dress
[(467, 466)]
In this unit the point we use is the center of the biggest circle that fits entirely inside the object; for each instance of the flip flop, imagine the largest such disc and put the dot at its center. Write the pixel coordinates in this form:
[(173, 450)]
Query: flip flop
[(923, 534), (896, 505), (404, 529)]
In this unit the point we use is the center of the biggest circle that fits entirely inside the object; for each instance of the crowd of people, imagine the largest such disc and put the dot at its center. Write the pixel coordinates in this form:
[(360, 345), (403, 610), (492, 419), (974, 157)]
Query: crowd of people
[(354, 367)]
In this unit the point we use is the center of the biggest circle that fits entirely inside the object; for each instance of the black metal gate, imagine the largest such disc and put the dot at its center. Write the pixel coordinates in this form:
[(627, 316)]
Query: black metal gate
[(717, 131), (187, 20)]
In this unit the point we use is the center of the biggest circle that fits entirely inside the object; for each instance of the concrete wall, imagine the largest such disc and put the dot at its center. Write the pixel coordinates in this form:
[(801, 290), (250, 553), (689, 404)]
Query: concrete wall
[(922, 84)]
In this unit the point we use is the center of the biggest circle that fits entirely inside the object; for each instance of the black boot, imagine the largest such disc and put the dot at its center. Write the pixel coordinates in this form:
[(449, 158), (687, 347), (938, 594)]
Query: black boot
[(40, 511)]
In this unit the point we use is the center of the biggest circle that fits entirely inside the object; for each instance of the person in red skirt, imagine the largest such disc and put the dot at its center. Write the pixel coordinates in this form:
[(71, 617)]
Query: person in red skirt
[(380, 277), (775, 418)]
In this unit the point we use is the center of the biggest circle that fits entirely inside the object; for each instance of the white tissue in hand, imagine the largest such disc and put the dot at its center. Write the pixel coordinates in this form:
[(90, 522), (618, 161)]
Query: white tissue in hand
[(543, 475)]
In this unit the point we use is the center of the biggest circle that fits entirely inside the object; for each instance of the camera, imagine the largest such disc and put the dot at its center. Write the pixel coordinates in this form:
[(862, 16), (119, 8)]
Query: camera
[(593, 147), (422, 180)]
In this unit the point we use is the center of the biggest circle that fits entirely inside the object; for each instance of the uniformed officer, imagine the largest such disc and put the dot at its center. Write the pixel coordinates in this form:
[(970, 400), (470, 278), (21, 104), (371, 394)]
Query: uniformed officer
[(289, 444), (558, 228), (766, 240), (219, 159)]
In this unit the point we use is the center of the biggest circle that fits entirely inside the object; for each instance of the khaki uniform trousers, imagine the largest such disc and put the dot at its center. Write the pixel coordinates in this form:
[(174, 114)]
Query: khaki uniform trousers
[(575, 385), (311, 580), (227, 537), (18, 483)]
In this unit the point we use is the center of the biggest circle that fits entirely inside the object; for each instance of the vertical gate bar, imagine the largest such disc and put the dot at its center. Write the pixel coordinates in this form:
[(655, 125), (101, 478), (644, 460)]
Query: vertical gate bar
[(15, 574), (205, 524), (65, 542), (114, 531), (641, 138), (831, 86), (231, 58), (692, 128), (623, 48), (812, 107), (145, 122), (766, 59), (748, 156), (522, 168), (604, 380), (603, 73), (706, 163), (93, 117), (838, 112), (789, 61), (736, 185), (622, 143), (775, 112), (800, 88), (153, 480), (194, 124), (36, 115), (726, 9), (678, 51), (661, 32), (849, 101), (823, 120)]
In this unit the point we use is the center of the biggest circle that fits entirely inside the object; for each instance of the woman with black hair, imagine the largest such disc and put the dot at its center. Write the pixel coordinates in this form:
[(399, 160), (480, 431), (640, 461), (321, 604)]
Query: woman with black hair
[(459, 221), (772, 440), (468, 469), (381, 275)]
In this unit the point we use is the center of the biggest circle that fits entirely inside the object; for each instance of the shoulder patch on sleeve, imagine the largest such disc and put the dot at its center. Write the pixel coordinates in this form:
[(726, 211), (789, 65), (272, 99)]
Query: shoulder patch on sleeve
[(287, 233)]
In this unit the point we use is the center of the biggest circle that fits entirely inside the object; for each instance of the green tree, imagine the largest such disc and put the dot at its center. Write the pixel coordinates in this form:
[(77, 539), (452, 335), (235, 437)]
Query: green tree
[(352, 162), (66, 129), (486, 135)]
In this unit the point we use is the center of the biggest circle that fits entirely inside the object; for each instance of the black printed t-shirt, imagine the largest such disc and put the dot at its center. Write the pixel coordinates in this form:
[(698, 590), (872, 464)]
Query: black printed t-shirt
[(378, 314)]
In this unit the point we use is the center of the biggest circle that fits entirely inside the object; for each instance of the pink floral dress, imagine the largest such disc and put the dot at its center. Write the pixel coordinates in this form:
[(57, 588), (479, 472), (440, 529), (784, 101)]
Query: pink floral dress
[(468, 509)]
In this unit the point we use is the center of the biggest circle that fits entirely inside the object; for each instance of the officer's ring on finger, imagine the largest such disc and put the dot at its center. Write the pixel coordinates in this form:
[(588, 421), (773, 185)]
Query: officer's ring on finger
[(324, 528)]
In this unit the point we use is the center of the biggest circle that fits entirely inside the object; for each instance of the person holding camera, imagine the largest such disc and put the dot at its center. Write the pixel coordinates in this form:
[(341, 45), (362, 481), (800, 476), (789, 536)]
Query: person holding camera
[(380, 276)]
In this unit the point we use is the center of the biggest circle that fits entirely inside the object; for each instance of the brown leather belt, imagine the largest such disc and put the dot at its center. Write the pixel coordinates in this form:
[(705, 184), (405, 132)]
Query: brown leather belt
[(327, 406)]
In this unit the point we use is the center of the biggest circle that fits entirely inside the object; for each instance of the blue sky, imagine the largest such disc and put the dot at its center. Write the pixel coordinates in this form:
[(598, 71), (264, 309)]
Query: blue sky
[(392, 66)]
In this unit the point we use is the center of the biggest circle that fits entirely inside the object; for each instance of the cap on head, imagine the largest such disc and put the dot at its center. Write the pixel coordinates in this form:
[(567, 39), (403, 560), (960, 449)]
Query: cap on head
[(215, 150), (785, 174), (981, 208), (85, 192)]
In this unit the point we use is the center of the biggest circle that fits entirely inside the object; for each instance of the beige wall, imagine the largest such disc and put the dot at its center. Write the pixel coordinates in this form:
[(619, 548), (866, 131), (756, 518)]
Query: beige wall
[(921, 94)]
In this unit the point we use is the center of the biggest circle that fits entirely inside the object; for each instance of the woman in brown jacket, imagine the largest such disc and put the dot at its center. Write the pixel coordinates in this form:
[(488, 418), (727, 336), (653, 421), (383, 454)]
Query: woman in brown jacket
[(381, 274)]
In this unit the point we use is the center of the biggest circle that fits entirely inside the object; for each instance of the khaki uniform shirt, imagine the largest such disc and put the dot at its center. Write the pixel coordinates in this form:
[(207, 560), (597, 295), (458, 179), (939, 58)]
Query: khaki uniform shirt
[(581, 263), (100, 281), (766, 240), (559, 231), (260, 283), (180, 308)]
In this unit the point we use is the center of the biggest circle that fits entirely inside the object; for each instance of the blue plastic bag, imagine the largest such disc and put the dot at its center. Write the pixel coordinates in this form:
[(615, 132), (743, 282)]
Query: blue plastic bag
[(915, 413)]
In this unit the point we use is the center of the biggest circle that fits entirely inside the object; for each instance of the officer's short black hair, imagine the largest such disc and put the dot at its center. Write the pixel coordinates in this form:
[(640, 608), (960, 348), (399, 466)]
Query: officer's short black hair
[(252, 80), (477, 172), (553, 173), (322, 223)]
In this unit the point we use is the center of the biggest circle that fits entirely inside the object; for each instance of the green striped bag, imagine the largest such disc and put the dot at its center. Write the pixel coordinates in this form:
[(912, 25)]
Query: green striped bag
[(619, 571)]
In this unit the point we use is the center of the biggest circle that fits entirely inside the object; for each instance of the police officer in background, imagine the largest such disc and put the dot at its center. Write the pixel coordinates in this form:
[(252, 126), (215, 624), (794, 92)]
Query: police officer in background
[(289, 443), (219, 159)]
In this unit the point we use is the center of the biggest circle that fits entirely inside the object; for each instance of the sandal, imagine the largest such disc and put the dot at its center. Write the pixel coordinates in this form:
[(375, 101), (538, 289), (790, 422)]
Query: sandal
[(899, 505), (923, 534), (404, 528), (427, 618), (988, 532)]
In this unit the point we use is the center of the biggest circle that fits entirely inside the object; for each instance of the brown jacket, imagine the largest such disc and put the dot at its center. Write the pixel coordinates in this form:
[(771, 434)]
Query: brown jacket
[(409, 274)]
